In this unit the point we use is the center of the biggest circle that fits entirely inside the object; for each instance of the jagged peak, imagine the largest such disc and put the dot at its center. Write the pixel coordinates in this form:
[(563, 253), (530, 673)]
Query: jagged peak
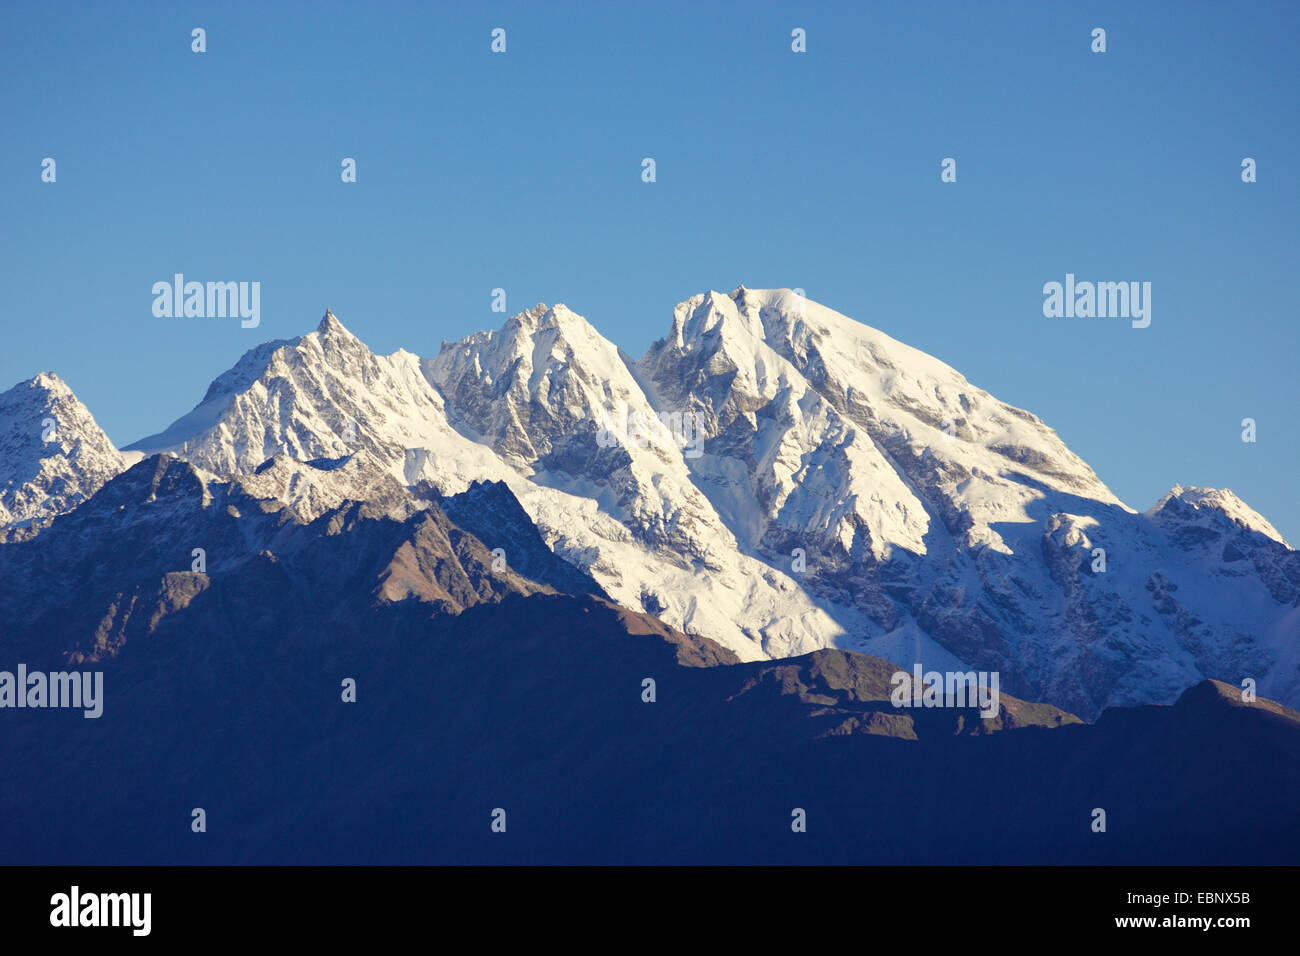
[(745, 312), (713, 317), (333, 337), (543, 317), (50, 382), (330, 325), (1196, 496), (1220, 500), (530, 320), (524, 331), (45, 382), (521, 327)]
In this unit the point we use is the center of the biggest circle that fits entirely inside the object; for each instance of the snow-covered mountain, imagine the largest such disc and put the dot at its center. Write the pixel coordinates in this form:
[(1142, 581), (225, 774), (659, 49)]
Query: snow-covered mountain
[(779, 478), (938, 510), (52, 454), (647, 536)]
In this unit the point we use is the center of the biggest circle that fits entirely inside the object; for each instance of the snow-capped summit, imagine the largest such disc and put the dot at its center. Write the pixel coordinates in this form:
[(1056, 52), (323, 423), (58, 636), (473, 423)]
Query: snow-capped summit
[(52, 453)]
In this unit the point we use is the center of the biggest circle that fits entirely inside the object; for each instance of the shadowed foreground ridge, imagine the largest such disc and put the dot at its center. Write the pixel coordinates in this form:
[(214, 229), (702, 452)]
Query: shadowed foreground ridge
[(481, 689)]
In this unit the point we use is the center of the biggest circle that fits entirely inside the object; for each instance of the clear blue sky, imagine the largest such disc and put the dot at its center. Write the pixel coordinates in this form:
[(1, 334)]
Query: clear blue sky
[(816, 170)]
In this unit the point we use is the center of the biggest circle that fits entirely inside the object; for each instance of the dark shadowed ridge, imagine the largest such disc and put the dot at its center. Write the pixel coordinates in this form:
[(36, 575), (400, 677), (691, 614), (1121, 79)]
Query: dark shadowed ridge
[(480, 688)]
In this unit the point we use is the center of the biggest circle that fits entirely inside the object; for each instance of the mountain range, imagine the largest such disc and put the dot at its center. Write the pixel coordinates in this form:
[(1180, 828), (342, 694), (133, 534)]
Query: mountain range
[(771, 476), (368, 609)]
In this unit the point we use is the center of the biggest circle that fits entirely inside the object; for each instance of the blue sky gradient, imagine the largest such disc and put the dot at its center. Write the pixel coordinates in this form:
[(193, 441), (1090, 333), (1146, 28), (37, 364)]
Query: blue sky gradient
[(817, 170)]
